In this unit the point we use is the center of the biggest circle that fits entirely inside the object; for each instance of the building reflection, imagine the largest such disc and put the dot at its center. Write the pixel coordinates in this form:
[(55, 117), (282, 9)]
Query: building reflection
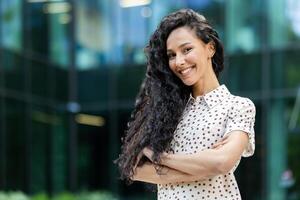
[(70, 71)]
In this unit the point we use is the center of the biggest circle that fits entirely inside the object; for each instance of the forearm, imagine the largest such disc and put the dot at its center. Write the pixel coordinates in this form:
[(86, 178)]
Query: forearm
[(147, 173), (210, 162), (204, 164)]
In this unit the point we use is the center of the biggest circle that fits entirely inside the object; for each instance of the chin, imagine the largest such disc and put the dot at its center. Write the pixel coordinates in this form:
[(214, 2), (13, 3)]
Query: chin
[(188, 83)]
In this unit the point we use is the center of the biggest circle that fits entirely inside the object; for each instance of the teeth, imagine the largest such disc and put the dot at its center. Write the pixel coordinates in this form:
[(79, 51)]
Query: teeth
[(183, 72)]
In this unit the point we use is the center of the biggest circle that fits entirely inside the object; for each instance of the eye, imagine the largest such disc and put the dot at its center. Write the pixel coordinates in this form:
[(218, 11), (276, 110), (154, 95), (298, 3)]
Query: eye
[(187, 49), (171, 56)]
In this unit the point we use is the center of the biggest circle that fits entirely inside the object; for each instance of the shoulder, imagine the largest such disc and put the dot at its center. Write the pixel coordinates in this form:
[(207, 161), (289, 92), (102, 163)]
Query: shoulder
[(240, 104), (242, 101)]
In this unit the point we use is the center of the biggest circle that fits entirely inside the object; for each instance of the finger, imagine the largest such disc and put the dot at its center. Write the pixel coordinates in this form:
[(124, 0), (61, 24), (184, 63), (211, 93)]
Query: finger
[(221, 142), (164, 156), (138, 158), (217, 147), (148, 153), (217, 144)]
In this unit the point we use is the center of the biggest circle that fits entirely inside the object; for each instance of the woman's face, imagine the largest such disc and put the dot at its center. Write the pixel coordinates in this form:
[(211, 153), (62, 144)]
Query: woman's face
[(189, 57)]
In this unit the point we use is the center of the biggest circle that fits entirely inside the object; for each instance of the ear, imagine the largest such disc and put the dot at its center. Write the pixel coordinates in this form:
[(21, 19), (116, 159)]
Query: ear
[(211, 49)]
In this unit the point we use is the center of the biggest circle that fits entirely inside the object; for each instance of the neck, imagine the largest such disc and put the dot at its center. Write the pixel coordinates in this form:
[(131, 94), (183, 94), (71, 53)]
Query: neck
[(205, 85)]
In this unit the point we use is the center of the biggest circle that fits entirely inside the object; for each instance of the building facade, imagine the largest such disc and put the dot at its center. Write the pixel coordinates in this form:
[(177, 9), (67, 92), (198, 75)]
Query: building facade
[(70, 71)]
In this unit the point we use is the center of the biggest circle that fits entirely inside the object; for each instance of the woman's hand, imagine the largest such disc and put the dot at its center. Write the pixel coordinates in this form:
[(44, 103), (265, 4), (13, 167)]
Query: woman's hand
[(148, 153), (220, 143), (145, 152), (138, 159)]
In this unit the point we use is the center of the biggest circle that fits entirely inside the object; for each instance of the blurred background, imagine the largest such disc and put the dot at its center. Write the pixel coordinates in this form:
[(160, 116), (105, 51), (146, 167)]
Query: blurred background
[(70, 71)]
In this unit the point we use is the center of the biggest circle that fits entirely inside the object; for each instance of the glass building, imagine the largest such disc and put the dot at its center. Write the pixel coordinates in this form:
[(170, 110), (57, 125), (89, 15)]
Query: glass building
[(70, 71)]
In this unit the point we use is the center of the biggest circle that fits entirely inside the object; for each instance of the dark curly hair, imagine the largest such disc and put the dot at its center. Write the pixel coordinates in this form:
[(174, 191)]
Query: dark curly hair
[(163, 95)]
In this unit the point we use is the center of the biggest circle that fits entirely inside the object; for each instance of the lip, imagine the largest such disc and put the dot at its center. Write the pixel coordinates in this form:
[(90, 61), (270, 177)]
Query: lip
[(186, 71)]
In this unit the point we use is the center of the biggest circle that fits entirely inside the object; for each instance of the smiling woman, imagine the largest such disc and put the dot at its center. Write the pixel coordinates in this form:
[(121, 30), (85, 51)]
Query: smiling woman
[(190, 58), (187, 133)]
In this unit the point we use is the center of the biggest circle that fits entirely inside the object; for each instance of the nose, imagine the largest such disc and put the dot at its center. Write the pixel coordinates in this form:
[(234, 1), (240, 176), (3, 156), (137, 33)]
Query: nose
[(180, 60)]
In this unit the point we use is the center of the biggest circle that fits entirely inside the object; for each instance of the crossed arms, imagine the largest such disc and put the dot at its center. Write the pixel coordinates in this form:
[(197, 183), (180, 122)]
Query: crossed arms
[(192, 167)]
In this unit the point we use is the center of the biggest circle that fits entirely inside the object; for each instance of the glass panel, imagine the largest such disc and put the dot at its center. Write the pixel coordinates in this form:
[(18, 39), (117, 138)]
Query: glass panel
[(94, 86), (276, 141), (40, 79), (47, 39), (11, 24), (48, 150), (36, 35), (48, 81), (291, 176), (60, 83), (94, 34), (1, 71), (16, 144), (244, 73), (59, 123), (2, 142), (128, 86), (244, 25), (284, 27), (93, 151), (58, 34), (285, 70), (40, 151), (13, 68), (109, 33)]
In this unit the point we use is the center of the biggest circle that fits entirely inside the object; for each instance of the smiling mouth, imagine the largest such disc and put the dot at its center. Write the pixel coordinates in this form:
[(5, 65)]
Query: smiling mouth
[(186, 71)]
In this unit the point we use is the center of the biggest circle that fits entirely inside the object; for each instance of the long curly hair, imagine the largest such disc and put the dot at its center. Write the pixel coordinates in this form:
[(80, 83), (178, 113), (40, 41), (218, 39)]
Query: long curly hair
[(162, 96)]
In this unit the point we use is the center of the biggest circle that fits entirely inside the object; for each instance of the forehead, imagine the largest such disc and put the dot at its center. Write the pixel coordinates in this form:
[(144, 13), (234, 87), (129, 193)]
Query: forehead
[(180, 36)]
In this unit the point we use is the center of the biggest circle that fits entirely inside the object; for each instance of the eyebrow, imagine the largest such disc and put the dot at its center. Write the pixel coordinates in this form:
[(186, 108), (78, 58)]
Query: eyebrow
[(183, 44)]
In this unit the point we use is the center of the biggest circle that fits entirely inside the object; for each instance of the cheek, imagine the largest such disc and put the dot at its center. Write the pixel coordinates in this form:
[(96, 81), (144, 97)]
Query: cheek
[(193, 57), (198, 58)]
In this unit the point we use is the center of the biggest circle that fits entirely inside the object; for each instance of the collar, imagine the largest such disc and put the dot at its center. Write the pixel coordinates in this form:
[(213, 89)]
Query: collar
[(213, 97)]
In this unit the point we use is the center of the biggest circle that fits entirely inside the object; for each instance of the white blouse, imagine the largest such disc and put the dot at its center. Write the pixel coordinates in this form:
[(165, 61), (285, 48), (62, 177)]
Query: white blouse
[(205, 120)]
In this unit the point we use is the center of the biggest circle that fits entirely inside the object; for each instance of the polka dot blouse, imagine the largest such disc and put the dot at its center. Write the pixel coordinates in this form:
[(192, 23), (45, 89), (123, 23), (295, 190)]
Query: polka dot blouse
[(205, 120)]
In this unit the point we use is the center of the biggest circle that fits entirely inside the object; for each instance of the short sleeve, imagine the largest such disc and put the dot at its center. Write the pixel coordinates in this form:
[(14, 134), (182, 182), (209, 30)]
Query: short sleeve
[(242, 117)]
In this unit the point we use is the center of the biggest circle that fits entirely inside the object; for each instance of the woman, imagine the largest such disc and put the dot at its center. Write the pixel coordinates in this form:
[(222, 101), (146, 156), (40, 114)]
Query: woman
[(187, 133)]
